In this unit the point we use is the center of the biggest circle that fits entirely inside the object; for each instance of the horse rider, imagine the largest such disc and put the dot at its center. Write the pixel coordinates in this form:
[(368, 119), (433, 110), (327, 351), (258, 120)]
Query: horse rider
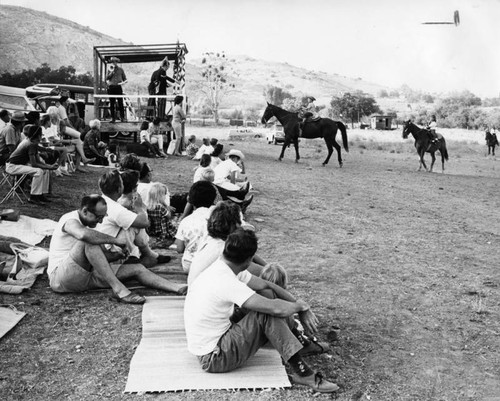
[(431, 128), (307, 111)]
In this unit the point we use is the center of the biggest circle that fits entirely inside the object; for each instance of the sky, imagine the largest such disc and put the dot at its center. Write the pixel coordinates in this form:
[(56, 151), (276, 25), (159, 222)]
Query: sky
[(381, 41)]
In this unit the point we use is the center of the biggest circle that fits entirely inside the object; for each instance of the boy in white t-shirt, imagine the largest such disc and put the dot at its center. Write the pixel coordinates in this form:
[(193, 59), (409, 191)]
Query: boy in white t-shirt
[(192, 229)]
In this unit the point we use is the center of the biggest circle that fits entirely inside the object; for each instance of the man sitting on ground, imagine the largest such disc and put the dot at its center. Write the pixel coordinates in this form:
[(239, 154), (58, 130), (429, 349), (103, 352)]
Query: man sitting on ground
[(123, 222), (222, 346), (78, 260)]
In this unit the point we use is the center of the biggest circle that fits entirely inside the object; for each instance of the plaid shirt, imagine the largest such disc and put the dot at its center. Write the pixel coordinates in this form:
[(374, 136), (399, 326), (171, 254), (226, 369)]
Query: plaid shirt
[(160, 223), (191, 150)]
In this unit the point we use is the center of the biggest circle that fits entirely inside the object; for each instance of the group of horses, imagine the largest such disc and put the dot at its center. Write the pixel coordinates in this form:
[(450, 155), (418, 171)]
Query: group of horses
[(327, 128)]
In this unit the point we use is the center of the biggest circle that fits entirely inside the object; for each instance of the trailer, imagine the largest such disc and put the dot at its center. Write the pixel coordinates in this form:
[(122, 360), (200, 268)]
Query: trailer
[(137, 104)]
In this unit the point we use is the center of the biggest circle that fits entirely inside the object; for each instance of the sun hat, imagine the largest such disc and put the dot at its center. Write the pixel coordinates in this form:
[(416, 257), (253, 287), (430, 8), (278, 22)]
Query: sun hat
[(18, 116), (237, 153)]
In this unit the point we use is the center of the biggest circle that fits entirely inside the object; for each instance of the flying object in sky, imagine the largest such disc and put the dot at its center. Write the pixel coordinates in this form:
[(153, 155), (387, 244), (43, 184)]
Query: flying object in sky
[(456, 21)]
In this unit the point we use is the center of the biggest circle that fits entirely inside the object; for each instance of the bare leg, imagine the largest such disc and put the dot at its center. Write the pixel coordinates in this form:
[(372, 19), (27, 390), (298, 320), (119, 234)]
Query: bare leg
[(148, 278), (92, 256)]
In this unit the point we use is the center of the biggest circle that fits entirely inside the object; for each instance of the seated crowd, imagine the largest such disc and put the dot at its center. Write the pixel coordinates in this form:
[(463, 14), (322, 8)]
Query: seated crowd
[(236, 302)]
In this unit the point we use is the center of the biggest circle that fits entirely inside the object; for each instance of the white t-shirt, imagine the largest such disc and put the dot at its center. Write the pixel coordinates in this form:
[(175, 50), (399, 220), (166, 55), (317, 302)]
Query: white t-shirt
[(224, 170), (210, 303), (118, 217), (198, 172), (192, 231), (204, 149), (61, 242), (208, 252)]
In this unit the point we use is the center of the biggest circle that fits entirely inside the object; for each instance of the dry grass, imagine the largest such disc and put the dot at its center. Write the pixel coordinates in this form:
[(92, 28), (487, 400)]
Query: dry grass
[(401, 268)]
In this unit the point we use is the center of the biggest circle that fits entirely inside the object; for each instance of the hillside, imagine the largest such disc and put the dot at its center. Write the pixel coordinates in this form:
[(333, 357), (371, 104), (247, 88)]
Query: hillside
[(58, 42)]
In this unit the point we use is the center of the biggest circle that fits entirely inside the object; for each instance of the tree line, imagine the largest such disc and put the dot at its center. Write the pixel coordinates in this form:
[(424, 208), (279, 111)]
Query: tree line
[(45, 74), (457, 110)]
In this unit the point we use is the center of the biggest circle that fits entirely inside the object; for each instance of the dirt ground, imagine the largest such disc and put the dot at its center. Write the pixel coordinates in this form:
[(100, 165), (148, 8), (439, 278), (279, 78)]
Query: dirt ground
[(402, 268)]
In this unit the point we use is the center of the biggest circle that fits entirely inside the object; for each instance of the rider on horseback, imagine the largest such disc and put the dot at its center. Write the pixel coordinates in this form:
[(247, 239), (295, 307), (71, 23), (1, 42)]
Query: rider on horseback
[(431, 128), (307, 111)]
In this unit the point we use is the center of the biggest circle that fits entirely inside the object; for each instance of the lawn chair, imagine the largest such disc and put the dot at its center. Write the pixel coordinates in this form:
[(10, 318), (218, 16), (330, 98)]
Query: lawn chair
[(14, 183)]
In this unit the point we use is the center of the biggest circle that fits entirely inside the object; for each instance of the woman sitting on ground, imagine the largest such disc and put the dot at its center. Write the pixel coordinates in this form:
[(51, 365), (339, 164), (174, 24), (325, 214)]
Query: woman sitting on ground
[(145, 137), (63, 130), (156, 136), (55, 151), (224, 219), (93, 147)]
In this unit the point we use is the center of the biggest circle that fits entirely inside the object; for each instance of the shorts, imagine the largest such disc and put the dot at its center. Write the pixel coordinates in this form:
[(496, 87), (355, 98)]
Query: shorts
[(71, 277)]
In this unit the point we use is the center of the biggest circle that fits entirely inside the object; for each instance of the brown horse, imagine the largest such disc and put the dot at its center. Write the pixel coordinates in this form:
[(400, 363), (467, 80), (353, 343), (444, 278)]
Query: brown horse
[(324, 128), (423, 144)]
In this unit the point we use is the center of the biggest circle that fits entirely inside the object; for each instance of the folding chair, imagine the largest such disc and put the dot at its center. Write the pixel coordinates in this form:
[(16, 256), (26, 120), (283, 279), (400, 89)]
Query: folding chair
[(14, 182)]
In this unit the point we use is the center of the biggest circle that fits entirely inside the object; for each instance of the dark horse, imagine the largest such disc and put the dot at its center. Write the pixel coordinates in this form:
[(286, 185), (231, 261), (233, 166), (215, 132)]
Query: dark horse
[(491, 142), (423, 144), (323, 128)]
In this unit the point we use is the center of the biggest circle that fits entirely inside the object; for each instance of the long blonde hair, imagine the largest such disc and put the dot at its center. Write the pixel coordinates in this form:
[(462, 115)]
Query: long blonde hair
[(157, 195), (275, 273)]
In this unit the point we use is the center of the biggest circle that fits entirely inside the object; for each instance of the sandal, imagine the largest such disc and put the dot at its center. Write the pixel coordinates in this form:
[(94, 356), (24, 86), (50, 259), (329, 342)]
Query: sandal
[(129, 299), (314, 347)]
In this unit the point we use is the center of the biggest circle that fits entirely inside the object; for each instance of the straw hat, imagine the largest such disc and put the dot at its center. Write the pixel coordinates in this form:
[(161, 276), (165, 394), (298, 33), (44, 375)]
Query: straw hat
[(114, 59), (237, 153), (18, 116)]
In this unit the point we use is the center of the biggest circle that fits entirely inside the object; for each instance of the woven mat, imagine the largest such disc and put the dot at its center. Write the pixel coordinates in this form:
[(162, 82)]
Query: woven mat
[(162, 362), (9, 317)]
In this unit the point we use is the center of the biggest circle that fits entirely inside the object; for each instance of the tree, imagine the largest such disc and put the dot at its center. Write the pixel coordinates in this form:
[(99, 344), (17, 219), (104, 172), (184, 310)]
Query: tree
[(215, 83), (44, 74), (354, 106), (382, 93), (276, 95)]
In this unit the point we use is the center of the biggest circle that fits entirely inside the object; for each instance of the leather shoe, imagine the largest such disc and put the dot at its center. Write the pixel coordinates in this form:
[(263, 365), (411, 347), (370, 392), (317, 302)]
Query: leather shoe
[(129, 299), (314, 348), (163, 259), (315, 382)]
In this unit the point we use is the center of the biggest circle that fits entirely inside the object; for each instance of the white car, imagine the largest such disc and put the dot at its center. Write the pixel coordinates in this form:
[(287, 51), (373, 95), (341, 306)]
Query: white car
[(276, 134)]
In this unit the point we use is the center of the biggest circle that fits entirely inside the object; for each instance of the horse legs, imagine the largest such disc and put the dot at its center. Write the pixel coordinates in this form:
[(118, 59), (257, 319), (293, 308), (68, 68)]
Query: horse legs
[(421, 153), (433, 161), (442, 162), (285, 144), (296, 145), (330, 146)]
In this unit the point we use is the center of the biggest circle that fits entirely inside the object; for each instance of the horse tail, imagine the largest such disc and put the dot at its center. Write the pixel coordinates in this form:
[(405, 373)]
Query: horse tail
[(343, 131), (444, 150)]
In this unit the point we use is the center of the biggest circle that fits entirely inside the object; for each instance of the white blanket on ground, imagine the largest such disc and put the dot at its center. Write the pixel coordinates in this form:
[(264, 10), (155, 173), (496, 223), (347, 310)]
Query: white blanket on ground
[(28, 229)]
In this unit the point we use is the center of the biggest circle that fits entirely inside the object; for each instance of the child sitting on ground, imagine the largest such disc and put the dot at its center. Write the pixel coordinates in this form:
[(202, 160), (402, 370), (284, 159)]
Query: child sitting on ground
[(160, 214), (110, 154), (191, 148), (204, 165)]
